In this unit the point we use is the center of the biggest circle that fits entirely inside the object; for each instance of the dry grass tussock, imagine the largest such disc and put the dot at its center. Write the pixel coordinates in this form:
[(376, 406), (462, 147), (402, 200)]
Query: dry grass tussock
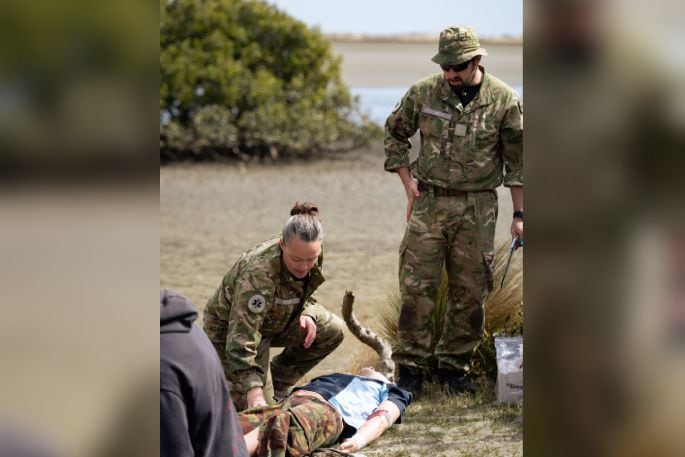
[(503, 310), (440, 424)]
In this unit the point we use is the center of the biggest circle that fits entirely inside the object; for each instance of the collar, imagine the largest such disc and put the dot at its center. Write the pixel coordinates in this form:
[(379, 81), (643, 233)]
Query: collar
[(482, 98)]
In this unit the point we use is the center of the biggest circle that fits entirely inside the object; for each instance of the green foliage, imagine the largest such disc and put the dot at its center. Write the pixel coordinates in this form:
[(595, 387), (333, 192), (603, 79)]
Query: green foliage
[(239, 77)]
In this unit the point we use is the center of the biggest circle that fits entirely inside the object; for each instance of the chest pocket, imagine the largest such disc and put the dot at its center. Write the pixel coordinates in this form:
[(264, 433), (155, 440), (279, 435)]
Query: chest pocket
[(435, 127), (279, 314), (479, 136), (485, 126)]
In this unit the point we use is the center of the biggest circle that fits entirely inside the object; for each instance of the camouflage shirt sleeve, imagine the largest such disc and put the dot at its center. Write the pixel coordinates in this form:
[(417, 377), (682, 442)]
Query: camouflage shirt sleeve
[(399, 127), (308, 309), (253, 296), (511, 134)]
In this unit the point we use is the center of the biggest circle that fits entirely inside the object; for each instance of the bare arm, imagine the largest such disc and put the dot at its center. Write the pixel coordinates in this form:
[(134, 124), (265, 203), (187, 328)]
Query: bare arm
[(373, 428)]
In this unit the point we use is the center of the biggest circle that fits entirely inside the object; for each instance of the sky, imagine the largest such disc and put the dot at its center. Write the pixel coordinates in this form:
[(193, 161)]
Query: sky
[(384, 17)]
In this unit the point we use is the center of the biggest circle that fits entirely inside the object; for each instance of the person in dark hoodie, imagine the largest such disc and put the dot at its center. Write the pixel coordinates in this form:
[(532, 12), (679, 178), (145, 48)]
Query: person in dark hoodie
[(197, 415)]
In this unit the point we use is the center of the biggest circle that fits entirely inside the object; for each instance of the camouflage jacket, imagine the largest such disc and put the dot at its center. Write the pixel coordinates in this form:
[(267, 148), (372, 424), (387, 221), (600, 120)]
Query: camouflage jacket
[(461, 148), (257, 298)]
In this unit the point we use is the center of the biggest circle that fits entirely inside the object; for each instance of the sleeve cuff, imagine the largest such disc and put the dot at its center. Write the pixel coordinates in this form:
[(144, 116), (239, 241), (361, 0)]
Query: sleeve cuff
[(392, 164), (514, 178), (246, 380)]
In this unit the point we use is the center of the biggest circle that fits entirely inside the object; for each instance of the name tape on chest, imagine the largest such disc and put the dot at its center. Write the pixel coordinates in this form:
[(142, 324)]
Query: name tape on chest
[(256, 304), (434, 112), (286, 301)]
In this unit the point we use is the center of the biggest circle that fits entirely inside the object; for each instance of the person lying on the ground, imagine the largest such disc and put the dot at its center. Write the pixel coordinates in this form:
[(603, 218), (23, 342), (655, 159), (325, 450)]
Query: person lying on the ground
[(352, 409)]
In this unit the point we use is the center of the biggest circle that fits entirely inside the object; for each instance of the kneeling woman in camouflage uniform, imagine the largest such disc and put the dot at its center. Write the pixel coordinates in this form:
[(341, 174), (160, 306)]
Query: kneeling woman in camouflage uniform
[(264, 301), (338, 407)]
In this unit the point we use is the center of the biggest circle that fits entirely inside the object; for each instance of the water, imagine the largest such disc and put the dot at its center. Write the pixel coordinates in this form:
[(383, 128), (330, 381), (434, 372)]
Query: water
[(378, 102)]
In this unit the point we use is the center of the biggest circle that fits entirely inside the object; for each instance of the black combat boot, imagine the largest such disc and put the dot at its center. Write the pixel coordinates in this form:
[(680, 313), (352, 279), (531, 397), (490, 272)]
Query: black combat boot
[(455, 381), (409, 379)]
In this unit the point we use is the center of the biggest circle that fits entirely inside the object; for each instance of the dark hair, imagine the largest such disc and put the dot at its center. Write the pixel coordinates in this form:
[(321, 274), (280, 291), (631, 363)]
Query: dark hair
[(304, 223), (307, 208)]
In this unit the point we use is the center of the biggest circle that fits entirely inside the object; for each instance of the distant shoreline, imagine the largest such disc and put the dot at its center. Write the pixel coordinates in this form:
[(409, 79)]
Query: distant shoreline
[(413, 38)]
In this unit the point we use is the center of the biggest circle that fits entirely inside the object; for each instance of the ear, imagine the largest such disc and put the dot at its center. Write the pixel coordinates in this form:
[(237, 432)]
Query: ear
[(281, 243), (477, 60)]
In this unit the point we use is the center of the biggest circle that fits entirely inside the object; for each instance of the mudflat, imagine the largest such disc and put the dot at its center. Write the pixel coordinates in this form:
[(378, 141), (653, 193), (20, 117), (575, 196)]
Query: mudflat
[(392, 64)]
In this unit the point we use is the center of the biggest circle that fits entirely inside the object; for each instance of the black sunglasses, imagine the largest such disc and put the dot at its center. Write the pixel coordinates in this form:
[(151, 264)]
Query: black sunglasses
[(457, 68)]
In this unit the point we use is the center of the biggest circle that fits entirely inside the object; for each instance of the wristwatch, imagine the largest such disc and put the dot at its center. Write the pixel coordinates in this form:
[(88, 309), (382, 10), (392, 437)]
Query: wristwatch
[(518, 215)]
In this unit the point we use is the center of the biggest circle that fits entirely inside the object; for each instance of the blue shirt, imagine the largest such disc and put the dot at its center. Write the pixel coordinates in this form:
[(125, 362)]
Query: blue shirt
[(356, 397)]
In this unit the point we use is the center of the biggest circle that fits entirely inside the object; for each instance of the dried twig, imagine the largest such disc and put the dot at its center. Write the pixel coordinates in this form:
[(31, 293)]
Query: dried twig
[(368, 337)]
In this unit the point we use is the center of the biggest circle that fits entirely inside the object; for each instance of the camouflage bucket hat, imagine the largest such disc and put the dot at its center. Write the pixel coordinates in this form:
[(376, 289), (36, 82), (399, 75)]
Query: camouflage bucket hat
[(458, 45)]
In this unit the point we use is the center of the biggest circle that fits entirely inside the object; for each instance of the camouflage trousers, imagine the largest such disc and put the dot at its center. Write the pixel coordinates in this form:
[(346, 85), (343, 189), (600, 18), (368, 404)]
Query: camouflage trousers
[(295, 427), (295, 361), (455, 233)]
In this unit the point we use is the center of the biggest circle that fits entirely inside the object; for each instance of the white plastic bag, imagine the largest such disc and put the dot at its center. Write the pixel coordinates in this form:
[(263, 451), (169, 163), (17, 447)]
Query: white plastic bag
[(509, 368)]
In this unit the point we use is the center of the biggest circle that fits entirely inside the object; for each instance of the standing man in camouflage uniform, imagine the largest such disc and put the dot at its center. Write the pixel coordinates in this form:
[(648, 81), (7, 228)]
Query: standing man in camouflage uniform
[(471, 126), (265, 301)]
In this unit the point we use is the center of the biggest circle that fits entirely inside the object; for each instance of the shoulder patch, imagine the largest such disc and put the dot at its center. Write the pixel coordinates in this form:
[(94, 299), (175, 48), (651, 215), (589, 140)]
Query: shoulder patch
[(256, 304)]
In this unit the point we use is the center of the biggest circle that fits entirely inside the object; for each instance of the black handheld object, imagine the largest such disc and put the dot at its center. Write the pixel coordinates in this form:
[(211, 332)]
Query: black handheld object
[(515, 244)]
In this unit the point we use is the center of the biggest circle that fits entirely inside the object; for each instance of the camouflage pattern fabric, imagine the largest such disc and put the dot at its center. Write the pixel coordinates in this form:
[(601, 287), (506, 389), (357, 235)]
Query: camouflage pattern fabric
[(461, 148), (457, 45), (466, 149), (257, 306), (294, 427), (457, 232)]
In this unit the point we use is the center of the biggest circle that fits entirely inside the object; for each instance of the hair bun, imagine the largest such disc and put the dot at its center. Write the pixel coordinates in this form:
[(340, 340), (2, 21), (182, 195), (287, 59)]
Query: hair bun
[(307, 208)]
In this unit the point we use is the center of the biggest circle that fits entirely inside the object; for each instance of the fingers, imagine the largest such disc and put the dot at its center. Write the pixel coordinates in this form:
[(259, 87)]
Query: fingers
[(518, 233), (412, 194), (410, 206), (348, 446), (308, 339), (517, 230), (306, 322)]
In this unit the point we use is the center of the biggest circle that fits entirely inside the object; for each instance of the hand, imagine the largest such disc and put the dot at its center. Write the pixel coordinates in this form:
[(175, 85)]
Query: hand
[(411, 188), (255, 397), (307, 322), (517, 229), (351, 445)]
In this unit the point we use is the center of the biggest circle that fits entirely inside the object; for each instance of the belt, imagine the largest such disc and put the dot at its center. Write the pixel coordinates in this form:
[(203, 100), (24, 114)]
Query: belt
[(440, 191)]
